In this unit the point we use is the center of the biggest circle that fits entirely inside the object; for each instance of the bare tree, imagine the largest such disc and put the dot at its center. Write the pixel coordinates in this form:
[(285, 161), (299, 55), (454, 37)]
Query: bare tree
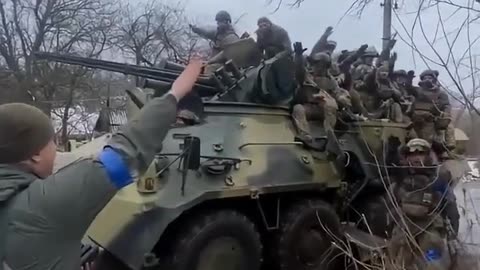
[(150, 31), (28, 26)]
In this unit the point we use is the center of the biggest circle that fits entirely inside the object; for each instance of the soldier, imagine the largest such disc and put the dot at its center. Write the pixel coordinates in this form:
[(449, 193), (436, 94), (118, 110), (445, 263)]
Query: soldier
[(379, 96), (389, 95), (365, 65), (318, 96), (404, 81), (342, 74), (48, 215), (431, 115), (221, 37), (419, 191), (272, 39)]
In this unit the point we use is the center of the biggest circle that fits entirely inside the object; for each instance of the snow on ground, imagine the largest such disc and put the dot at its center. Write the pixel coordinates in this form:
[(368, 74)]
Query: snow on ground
[(79, 120)]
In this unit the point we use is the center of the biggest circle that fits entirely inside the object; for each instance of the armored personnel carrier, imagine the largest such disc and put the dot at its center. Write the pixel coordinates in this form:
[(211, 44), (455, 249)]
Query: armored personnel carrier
[(236, 190)]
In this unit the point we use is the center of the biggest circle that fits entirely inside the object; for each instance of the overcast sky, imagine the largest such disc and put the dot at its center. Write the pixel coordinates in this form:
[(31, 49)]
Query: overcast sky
[(305, 24)]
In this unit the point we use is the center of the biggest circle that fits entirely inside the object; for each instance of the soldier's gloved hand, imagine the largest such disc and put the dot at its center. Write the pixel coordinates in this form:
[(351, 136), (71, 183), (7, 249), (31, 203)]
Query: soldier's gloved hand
[(363, 48), (393, 57), (298, 48), (410, 76), (185, 82), (328, 31), (340, 79)]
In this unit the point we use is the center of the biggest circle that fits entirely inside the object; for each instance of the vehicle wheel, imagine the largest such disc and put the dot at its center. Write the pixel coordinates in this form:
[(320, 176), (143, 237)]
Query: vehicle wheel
[(377, 217), (303, 243), (224, 240)]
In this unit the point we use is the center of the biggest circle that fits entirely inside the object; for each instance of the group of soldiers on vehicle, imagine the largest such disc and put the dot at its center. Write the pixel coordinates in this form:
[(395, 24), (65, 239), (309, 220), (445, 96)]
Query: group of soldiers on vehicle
[(364, 85), (328, 87)]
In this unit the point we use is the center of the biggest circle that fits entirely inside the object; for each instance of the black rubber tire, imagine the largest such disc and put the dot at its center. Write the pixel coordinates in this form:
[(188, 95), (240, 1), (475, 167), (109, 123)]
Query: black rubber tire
[(377, 215), (297, 224), (205, 229)]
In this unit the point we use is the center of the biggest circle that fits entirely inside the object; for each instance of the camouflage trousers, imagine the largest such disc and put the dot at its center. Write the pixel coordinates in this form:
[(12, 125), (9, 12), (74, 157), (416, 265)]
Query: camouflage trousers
[(325, 112), (357, 104)]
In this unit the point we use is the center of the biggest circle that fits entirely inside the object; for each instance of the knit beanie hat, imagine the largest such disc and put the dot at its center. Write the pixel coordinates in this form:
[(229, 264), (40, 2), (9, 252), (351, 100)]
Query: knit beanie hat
[(24, 131)]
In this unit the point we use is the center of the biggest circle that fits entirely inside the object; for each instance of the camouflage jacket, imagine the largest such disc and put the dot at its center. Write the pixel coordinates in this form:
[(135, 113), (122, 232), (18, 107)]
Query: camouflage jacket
[(219, 39), (361, 71), (278, 41), (434, 100), (48, 218)]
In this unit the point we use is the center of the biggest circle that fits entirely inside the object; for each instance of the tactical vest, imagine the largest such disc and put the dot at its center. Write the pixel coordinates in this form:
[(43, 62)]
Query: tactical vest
[(418, 196), (221, 40), (426, 106), (308, 89), (326, 83), (385, 91)]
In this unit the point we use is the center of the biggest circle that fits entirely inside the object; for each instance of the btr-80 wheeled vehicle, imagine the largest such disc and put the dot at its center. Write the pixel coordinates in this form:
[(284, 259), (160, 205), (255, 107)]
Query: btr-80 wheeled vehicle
[(237, 191)]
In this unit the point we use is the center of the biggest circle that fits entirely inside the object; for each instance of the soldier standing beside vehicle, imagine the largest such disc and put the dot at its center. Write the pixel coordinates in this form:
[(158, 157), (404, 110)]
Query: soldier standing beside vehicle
[(420, 192), (49, 214), (220, 37)]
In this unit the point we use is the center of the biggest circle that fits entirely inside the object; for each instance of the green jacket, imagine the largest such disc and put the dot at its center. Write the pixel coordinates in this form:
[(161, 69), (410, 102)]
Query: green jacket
[(48, 218)]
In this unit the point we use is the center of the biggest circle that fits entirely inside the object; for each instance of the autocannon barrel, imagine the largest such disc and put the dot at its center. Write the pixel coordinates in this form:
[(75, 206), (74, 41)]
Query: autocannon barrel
[(157, 74)]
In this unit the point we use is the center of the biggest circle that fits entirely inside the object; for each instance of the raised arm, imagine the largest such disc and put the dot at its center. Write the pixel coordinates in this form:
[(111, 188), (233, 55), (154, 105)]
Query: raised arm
[(204, 33), (86, 186), (321, 44)]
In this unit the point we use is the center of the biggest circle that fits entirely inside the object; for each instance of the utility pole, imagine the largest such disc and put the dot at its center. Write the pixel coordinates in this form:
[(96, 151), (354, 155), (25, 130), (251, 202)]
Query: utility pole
[(388, 6)]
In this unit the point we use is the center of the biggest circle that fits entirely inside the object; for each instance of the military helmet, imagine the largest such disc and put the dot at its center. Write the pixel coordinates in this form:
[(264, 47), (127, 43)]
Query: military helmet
[(418, 144), (429, 72), (371, 51), (223, 15), (400, 73), (321, 57)]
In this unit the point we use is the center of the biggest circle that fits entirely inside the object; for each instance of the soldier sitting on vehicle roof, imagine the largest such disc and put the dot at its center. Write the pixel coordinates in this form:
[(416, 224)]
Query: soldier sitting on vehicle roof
[(402, 81), (271, 38), (381, 95), (220, 37), (431, 116), (318, 96)]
